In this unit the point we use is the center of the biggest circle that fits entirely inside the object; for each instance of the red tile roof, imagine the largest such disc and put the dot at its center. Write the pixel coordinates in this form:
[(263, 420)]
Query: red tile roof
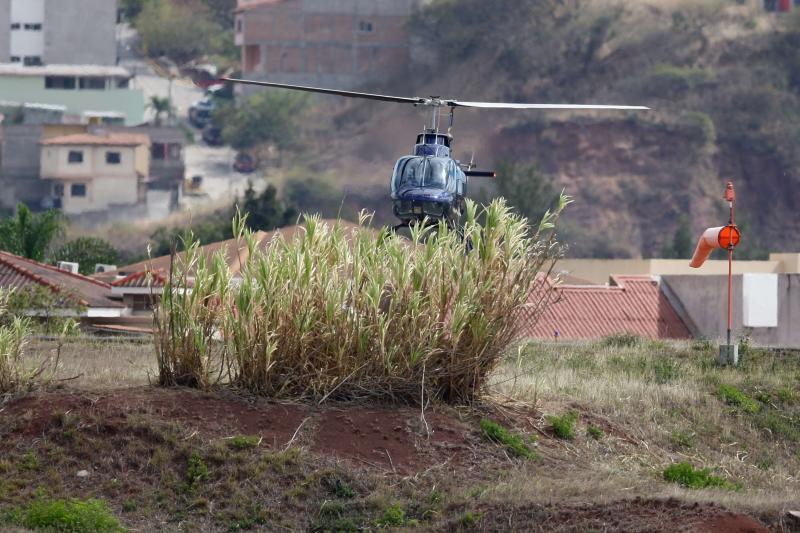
[(140, 280), (20, 273), (111, 139), (631, 304)]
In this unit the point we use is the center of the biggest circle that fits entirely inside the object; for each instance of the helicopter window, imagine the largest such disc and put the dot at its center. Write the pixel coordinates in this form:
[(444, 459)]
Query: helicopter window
[(422, 172)]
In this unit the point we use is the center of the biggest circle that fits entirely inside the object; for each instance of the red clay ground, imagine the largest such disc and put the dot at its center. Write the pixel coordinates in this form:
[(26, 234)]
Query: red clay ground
[(392, 441)]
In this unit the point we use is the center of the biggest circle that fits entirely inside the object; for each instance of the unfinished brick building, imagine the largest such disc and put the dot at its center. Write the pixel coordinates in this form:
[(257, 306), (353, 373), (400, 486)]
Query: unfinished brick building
[(333, 43)]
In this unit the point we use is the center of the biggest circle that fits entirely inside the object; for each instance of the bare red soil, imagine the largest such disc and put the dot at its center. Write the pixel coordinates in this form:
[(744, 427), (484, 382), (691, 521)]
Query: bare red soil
[(396, 441)]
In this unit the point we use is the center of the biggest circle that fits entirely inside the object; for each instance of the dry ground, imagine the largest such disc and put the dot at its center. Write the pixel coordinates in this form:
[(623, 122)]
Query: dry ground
[(183, 460)]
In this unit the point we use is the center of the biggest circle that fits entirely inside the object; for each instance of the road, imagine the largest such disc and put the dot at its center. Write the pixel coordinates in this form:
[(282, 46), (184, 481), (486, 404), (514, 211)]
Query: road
[(220, 181)]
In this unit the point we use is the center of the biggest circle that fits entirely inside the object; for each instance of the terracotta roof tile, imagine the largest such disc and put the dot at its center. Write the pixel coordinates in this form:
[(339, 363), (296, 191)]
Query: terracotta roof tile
[(633, 304), (141, 280), (19, 273), (111, 139)]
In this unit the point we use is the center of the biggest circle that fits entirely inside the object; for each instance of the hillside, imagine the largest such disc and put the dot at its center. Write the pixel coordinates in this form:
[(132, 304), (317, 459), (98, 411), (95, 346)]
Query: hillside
[(722, 78)]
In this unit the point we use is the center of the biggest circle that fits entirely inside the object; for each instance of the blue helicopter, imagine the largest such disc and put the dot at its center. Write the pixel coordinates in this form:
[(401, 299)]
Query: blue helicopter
[(430, 185)]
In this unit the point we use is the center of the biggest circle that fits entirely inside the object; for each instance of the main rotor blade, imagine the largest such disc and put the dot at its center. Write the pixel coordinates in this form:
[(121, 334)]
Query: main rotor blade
[(348, 94), (500, 105)]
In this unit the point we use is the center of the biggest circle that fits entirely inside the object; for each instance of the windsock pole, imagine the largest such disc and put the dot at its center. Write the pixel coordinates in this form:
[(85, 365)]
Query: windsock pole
[(730, 196)]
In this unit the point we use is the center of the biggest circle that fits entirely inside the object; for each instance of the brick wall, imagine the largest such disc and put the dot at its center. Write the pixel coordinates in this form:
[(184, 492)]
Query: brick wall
[(338, 43)]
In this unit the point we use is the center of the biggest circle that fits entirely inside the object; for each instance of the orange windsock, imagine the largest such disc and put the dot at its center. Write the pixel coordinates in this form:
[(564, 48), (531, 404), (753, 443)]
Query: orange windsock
[(713, 238)]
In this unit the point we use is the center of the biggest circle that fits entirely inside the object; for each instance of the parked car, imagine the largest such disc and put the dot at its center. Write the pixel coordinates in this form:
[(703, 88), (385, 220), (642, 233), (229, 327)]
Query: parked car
[(200, 112), (212, 135), (244, 163)]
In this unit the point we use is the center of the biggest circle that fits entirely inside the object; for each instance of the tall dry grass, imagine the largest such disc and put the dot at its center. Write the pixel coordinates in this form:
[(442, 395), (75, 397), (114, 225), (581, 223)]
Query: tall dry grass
[(356, 312)]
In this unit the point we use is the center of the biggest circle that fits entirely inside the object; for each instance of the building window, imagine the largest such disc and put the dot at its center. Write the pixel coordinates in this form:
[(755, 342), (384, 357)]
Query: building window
[(77, 190), (158, 151), (32, 61), (123, 83), (59, 82), (92, 83), (15, 26), (58, 190), (364, 26), (239, 25), (75, 157), (33, 27), (16, 59), (113, 158)]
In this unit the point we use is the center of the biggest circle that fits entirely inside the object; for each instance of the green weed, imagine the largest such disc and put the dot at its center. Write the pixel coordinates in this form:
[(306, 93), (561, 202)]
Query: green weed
[(196, 471), (74, 516), (470, 519), (564, 426), (622, 340), (688, 476), (735, 397), (393, 516), (500, 435), (244, 442), (595, 432)]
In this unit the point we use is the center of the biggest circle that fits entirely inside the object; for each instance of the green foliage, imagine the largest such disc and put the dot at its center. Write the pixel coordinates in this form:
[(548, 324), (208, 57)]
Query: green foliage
[(74, 516), (496, 433), (343, 310), (669, 81), (30, 235), (160, 106), (87, 252), (196, 471), (470, 519), (681, 246), (690, 477), (244, 442), (14, 377), (564, 426), (313, 193), (526, 188), (271, 117), (733, 396), (699, 129), (622, 340), (681, 439), (180, 31), (393, 516), (595, 432), (666, 369), (263, 212)]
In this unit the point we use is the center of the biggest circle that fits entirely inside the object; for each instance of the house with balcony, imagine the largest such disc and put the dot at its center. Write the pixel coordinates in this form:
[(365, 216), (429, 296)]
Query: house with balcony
[(96, 172)]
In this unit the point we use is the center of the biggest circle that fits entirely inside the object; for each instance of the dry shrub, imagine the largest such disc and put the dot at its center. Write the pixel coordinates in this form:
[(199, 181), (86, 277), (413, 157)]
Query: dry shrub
[(356, 312)]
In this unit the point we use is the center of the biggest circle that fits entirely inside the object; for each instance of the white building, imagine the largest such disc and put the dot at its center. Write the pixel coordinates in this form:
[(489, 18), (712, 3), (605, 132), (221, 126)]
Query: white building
[(90, 173)]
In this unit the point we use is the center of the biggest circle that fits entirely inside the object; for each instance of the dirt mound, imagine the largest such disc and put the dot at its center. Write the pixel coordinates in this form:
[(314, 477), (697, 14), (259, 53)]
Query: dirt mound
[(392, 439), (636, 515)]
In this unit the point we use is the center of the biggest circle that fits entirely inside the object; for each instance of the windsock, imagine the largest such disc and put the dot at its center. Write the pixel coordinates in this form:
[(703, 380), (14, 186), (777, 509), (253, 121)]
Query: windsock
[(725, 237)]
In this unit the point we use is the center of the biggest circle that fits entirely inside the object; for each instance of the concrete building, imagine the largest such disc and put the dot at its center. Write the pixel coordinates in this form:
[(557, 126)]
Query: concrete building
[(600, 270), (89, 173), (88, 93), (333, 43), (44, 32)]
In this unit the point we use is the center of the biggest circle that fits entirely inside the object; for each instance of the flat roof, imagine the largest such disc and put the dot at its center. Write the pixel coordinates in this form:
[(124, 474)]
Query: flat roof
[(15, 69)]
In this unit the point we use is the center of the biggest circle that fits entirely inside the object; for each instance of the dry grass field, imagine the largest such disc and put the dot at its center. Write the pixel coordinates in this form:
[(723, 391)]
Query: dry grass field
[(600, 423)]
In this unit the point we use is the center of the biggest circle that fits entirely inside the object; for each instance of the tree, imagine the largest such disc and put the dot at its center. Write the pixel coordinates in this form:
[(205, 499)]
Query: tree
[(160, 106), (30, 235), (266, 117), (265, 211), (527, 189), (681, 246), (87, 252), (178, 31), (131, 8)]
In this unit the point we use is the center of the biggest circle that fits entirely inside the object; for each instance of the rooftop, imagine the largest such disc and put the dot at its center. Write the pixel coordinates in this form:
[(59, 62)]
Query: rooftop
[(21, 273), (15, 69), (109, 139), (631, 304)]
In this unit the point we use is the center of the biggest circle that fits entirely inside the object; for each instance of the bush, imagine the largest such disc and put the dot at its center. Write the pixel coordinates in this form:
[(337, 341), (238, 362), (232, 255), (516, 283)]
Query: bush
[(699, 128), (497, 433), (356, 312), (688, 476), (564, 426), (87, 252), (245, 442), (393, 516), (76, 516)]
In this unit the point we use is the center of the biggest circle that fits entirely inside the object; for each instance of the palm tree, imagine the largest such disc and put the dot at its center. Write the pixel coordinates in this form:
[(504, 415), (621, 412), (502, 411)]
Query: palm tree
[(28, 234), (160, 105)]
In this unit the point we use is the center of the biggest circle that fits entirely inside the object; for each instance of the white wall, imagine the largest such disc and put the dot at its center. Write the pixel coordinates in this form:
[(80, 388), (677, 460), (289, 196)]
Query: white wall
[(27, 42)]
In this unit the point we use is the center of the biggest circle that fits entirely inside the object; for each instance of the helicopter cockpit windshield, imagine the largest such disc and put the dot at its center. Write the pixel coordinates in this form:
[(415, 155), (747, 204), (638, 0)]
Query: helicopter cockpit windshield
[(421, 172)]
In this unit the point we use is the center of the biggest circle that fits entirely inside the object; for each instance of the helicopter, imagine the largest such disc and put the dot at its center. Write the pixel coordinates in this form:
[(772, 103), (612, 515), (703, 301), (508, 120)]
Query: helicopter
[(429, 185)]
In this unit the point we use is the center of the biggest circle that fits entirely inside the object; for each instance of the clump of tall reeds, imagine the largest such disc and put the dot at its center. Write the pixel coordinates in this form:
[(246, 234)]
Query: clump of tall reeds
[(356, 312), (13, 335)]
